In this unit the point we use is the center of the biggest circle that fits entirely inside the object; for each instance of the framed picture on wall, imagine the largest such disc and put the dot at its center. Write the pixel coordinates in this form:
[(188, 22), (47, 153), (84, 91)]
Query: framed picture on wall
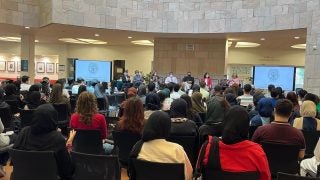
[(11, 66), (40, 67), (61, 68), (50, 67), (2, 65), (18, 66)]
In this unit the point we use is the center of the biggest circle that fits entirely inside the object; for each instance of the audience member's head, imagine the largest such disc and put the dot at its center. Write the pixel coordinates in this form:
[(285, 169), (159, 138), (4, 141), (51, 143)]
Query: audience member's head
[(176, 87), (202, 84), (283, 109), (152, 101), (217, 90), (280, 93), (133, 116), (86, 107), (274, 93), (81, 89), (292, 96), (44, 120), (132, 92), (56, 93), (166, 92), (311, 97), (247, 88), (308, 109), (170, 87), (195, 88), (34, 87), (236, 125), (232, 99), (188, 100), (302, 93), (256, 97), (216, 110), (270, 87), (33, 99), (142, 90), (206, 75), (265, 107), (230, 90), (10, 89), (25, 79), (197, 104), (158, 126), (162, 96), (178, 108), (61, 81), (151, 87)]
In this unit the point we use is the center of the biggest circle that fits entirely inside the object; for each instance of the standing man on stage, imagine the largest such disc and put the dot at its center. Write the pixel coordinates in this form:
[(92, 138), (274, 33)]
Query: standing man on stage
[(137, 79), (171, 79), (188, 80), (125, 77)]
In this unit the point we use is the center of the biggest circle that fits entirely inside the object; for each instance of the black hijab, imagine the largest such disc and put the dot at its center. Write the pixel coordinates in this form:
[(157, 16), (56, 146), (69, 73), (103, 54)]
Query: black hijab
[(178, 108), (34, 99), (44, 120), (157, 127), (3, 104), (236, 125), (152, 101), (232, 99)]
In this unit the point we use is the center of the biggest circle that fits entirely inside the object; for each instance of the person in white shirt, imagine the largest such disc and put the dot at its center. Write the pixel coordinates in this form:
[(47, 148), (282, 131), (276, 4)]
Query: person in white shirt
[(311, 164), (155, 148), (24, 86), (246, 99), (171, 79), (75, 87), (204, 91), (175, 93)]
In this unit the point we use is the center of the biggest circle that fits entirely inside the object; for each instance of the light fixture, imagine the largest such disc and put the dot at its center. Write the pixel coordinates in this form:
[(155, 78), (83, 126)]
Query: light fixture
[(299, 46), (27, 27), (36, 41), (246, 45), (129, 37), (82, 41), (229, 43), (262, 39), (96, 35), (143, 42), (297, 37), (12, 39)]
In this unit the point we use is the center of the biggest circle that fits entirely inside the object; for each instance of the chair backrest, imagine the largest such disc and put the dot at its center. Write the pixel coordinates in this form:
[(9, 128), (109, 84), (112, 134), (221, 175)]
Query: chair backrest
[(73, 103), (124, 141), (189, 143), (120, 98), (203, 116), (26, 117), (87, 141), (285, 176), (6, 117), (14, 106), (95, 167), (62, 109), (223, 175), (252, 129), (35, 165), (102, 105), (311, 138), (145, 170), (112, 100), (282, 158)]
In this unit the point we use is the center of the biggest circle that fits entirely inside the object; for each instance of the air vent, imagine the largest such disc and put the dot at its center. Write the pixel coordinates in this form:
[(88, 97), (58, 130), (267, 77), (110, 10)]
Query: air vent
[(190, 47)]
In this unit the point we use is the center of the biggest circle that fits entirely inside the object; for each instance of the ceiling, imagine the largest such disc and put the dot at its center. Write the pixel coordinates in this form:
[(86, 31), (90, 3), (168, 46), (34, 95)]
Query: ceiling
[(282, 39)]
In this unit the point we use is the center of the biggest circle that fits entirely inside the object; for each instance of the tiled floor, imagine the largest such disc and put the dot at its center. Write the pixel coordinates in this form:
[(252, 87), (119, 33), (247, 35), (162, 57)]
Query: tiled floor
[(9, 169)]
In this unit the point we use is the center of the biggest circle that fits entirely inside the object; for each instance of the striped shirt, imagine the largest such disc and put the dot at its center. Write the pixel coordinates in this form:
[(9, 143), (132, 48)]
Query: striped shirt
[(245, 100)]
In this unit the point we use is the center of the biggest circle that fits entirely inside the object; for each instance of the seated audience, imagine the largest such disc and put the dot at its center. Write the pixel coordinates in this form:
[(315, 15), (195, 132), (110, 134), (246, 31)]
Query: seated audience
[(274, 97), (217, 91), (236, 152), (204, 91), (99, 92), (33, 100), (256, 98), (265, 111), (142, 92), (75, 87), (56, 96), (11, 93), (308, 121), (197, 103), (280, 131), (311, 164), (152, 104), (292, 96), (42, 135), (87, 117), (24, 86), (301, 94), (63, 84), (280, 93), (154, 148), (81, 89), (175, 92), (132, 119), (166, 103), (192, 115), (246, 99), (232, 99), (270, 87)]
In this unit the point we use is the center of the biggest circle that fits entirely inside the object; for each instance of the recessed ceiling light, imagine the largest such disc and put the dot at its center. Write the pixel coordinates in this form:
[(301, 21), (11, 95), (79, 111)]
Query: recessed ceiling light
[(299, 46), (262, 39), (143, 42), (129, 37), (82, 41), (27, 27), (297, 37), (36, 41), (246, 45), (96, 35)]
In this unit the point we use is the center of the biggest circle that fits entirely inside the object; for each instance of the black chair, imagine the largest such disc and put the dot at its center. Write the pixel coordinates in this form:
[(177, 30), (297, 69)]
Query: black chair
[(285, 176), (203, 116), (63, 114), (88, 141), (95, 167), (223, 175), (145, 170), (124, 141), (14, 106), (120, 97), (35, 165), (73, 103), (112, 100), (212, 129), (102, 106), (190, 145), (311, 138), (6, 118), (252, 129), (26, 117), (282, 158)]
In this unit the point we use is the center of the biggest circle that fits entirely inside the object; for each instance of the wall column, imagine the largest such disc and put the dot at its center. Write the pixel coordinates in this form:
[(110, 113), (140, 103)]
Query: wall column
[(28, 53)]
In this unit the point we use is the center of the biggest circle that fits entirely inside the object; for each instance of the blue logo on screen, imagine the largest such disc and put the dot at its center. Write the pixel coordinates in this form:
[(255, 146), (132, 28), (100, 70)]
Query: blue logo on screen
[(93, 68), (273, 74)]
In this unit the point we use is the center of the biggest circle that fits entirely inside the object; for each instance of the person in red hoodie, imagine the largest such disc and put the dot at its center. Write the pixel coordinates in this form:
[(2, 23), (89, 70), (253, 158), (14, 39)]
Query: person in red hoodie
[(236, 153), (207, 79)]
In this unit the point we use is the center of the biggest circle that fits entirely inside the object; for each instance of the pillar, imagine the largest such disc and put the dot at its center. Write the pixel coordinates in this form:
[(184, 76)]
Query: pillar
[(28, 53)]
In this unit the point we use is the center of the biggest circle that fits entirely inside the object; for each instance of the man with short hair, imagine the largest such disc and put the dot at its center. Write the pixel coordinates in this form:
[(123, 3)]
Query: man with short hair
[(246, 99), (137, 79), (217, 91), (24, 86), (171, 79), (280, 131), (75, 87), (270, 87), (189, 80), (174, 93)]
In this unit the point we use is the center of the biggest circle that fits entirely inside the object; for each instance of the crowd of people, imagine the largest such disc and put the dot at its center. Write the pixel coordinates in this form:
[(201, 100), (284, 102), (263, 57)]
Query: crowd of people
[(157, 111)]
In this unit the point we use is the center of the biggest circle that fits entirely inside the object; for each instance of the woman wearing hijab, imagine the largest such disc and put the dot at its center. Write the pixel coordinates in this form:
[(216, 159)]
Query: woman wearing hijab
[(42, 135), (194, 116), (152, 104), (237, 154), (265, 110), (308, 121), (154, 147), (181, 125), (197, 103), (142, 91), (33, 100), (56, 96), (167, 101)]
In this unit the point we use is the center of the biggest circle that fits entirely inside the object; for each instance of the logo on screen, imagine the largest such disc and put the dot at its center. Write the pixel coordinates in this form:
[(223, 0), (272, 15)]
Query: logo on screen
[(273, 74), (93, 68)]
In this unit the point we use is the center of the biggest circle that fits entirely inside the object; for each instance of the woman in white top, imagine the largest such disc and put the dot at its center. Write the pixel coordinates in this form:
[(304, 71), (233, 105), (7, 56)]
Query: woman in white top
[(311, 164), (154, 146)]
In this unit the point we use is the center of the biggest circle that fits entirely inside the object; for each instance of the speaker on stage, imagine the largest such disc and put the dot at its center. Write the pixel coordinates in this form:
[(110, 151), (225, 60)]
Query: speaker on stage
[(118, 68)]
